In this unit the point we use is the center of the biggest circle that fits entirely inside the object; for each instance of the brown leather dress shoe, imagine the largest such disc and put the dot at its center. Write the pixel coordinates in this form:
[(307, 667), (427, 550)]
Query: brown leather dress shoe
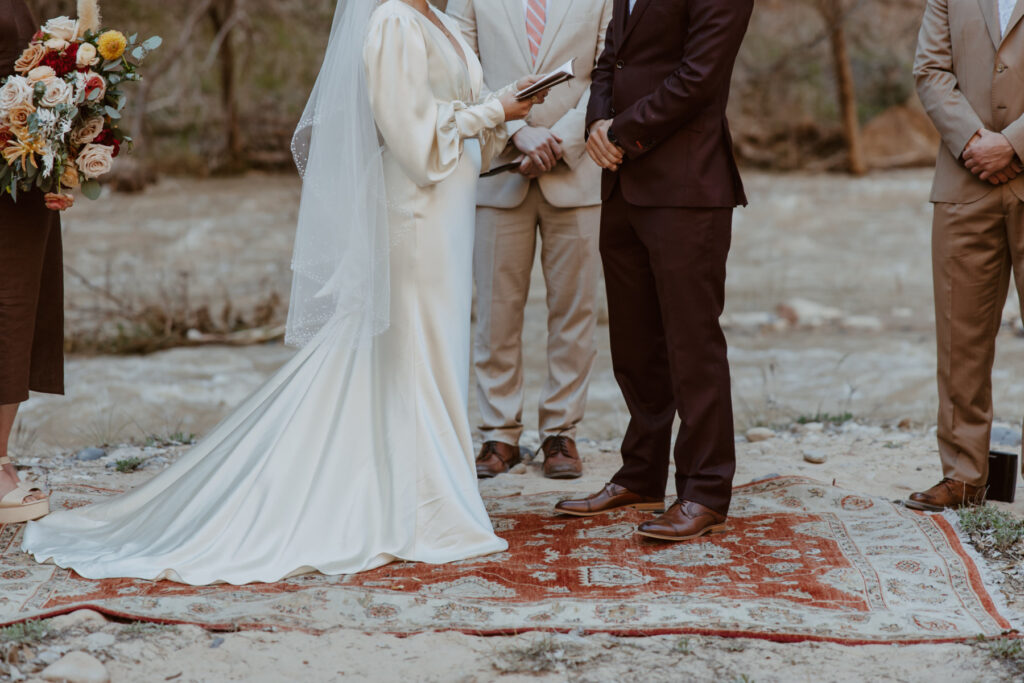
[(496, 458), (611, 497), (684, 521), (561, 458), (948, 493)]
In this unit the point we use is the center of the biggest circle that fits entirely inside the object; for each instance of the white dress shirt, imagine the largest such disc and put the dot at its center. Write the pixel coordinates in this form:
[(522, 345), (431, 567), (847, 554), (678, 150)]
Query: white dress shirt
[(1006, 8)]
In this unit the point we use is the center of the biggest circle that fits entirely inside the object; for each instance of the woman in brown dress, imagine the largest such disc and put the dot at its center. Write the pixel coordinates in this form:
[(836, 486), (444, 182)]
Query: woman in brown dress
[(31, 295)]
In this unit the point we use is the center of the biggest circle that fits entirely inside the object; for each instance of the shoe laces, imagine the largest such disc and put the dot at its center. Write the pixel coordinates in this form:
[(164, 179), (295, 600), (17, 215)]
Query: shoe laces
[(490, 448), (559, 445)]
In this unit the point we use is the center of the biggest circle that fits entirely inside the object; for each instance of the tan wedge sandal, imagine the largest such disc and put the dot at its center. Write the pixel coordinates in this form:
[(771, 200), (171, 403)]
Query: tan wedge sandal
[(14, 509)]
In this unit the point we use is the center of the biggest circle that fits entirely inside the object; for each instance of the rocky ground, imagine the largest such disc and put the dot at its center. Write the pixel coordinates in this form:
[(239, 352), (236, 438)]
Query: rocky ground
[(830, 326)]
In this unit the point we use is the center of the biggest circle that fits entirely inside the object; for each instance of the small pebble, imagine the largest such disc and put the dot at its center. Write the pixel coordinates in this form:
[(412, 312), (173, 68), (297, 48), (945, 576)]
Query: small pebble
[(90, 454), (759, 434), (815, 457), (519, 469), (77, 667), (85, 618), (99, 641)]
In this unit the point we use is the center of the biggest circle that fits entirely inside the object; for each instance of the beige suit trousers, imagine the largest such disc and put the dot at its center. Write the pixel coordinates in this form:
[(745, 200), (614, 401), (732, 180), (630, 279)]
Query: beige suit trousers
[(506, 243), (975, 248)]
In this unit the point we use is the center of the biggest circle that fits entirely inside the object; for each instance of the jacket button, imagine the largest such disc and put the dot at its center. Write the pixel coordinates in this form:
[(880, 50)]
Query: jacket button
[(999, 69), (613, 111), (619, 64)]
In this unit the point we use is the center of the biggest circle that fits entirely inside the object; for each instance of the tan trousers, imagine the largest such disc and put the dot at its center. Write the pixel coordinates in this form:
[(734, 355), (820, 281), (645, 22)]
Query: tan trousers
[(506, 243), (975, 247)]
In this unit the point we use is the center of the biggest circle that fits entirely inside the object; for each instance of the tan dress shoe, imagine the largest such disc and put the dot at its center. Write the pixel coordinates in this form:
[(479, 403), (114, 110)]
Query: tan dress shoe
[(496, 458), (561, 458), (947, 494), (684, 521), (611, 497)]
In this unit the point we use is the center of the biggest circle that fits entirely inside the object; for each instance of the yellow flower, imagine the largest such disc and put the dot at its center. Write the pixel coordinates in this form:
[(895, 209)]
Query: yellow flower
[(111, 45)]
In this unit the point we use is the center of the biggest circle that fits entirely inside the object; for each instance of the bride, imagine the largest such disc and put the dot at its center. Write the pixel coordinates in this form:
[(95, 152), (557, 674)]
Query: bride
[(358, 451)]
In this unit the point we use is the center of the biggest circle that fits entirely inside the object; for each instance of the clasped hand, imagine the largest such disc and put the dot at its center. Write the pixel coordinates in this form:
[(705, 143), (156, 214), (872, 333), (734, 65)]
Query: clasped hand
[(991, 157), (541, 149), (603, 151)]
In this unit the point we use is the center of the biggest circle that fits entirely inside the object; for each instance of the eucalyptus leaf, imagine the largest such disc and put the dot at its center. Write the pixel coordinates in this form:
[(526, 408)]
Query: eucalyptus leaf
[(153, 43), (132, 38), (113, 113), (139, 52), (92, 189)]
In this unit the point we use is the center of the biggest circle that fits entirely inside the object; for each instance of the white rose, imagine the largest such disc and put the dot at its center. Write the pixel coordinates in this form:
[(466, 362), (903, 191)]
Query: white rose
[(17, 90), (57, 92), (41, 73), (61, 27), (87, 55), (95, 160), (56, 44)]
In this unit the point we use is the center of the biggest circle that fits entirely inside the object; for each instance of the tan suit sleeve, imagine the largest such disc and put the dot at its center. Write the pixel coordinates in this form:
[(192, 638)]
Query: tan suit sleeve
[(572, 126), (937, 84), (1015, 134)]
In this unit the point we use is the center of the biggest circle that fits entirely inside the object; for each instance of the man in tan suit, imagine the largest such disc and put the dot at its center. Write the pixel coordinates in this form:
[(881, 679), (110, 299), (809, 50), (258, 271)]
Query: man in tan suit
[(970, 77), (557, 195)]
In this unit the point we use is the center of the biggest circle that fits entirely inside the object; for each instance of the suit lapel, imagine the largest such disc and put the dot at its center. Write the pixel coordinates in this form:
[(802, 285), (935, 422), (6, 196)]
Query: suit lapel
[(557, 10), (517, 19), (633, 17), (620, 15), (990, 10), (1015, 18)]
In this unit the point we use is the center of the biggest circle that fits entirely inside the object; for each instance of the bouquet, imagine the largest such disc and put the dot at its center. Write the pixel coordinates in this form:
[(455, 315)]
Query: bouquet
[(60, 112)]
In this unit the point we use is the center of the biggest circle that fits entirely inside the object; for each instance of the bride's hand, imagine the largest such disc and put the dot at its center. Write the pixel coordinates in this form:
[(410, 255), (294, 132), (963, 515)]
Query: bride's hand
[(515, 109)]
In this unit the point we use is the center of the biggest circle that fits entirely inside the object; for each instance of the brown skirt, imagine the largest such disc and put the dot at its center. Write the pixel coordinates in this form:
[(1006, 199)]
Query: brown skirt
[(31, 299)]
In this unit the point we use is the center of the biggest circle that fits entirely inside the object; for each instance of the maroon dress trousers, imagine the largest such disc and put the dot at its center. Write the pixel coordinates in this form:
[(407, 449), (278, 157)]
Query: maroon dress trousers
[(666, 229), (31, 262)]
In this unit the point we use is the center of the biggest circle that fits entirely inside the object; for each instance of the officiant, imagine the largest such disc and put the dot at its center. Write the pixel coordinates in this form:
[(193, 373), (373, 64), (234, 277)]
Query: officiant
[(31, 294), (554, 198)]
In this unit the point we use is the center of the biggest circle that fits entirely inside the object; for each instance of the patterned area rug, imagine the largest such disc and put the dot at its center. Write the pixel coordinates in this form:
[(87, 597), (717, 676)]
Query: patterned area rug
[(801, 561)]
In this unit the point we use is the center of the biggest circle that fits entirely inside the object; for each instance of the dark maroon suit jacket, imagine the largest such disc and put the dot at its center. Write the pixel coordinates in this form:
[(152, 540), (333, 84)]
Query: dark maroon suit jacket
[(664, 79)]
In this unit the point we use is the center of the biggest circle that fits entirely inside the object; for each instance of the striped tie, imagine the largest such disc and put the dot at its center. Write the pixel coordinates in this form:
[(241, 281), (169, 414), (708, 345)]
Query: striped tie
[(536, 15)]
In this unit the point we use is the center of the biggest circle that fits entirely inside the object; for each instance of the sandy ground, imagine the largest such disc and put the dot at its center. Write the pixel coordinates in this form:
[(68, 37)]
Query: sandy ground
[(857, 250)]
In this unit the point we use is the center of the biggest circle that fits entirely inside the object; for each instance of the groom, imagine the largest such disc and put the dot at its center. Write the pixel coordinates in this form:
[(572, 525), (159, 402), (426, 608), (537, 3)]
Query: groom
[(969, 66), (657, 125)]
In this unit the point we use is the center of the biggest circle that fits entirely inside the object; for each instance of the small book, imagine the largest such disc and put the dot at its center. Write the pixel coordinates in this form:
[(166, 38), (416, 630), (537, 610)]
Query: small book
[(504, 168), (560, 75)]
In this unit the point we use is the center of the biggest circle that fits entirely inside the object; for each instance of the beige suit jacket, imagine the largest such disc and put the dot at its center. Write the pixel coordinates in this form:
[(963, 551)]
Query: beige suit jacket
[(496, 29), (969, 76)]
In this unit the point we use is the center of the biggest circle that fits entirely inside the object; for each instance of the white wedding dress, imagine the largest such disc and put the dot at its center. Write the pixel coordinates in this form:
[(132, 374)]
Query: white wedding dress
[(352, 455)]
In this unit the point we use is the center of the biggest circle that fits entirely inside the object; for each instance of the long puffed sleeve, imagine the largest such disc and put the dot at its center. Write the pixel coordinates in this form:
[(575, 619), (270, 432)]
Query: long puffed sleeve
[(424, 134)]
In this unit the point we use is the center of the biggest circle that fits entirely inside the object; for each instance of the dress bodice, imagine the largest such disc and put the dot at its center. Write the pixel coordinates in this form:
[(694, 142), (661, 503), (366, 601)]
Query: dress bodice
[(17, 26), (426, 100)]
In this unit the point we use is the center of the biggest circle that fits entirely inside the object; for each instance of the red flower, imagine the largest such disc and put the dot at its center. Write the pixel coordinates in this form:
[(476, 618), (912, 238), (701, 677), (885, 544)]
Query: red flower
[(64, 61), (95, 83), (107, 138)]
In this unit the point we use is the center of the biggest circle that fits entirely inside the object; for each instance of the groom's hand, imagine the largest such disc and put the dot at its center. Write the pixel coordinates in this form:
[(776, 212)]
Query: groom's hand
[(603, 151), (991, 157), (542, 147)]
